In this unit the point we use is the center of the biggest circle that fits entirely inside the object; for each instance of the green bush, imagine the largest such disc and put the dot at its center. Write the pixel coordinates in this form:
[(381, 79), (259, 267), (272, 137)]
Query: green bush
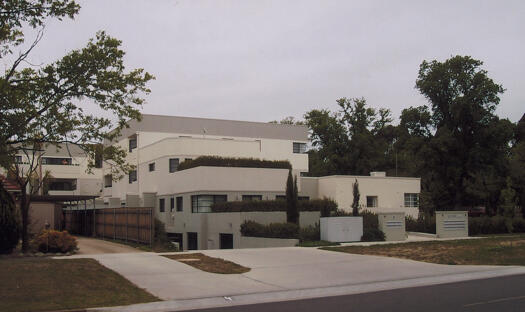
[(272, 230), (370, 220), (9, 225), (310, 233), (518, 225), (372, 235), (54, 241), (423, 224), (325, 206), (215, 161)]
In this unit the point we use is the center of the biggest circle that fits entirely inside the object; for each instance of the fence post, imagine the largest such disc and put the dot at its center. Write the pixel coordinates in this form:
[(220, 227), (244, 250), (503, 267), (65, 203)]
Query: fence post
[(151, 227), (103, 223), (127, 224), (114, 223), (138, 224)]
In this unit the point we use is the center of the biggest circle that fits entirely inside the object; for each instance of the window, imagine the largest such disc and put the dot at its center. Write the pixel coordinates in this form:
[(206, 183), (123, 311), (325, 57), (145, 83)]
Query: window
[(56, 161), (63, 185), (132, 176), (411, 200), (132, 144), (18, 159), (203, 203), (188, 159), (251, 197), (174, 164), (152, 167), (280, 197), (303, 197), (108, 180), (161, 205), (299, 148), (172, 204), (179, 203), (371, 201)]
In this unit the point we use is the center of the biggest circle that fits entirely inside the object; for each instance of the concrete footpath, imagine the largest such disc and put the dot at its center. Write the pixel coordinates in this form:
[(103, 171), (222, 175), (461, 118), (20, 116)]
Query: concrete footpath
[(279, 274)]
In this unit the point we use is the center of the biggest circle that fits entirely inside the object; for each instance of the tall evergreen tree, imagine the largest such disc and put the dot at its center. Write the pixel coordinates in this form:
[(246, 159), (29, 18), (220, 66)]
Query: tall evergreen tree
[(357, 195), (292, 212)]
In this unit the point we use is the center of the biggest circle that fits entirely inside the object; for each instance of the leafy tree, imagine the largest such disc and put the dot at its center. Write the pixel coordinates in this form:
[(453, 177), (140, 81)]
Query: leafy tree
[(45, 105), (517, 164), (292, 210), (464, 152), (290, 120), (355, 202), (355, 140)]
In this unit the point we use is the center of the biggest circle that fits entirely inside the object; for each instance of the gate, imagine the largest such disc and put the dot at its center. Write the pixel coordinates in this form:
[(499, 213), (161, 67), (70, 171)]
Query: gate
[(124, 223)]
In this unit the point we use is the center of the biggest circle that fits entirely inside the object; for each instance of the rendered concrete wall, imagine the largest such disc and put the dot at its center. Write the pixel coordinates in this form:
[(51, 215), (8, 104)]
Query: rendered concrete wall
[(261, 242), (451, 224), (390, 192), (114, 202), (132, 200), (41, 213), (342, 229), (393, 225)]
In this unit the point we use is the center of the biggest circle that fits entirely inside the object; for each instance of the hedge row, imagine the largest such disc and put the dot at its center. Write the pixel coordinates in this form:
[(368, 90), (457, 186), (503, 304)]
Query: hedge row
[(476, 225), (281, 230), (216, 161), (325, 206)]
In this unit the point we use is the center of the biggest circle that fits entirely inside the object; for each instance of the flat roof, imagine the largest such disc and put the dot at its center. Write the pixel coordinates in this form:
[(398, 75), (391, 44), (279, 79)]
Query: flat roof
[(215, 127)]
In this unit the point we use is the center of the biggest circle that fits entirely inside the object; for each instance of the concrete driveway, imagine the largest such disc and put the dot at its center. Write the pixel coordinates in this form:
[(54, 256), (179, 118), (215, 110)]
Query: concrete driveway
[(280, 274), (92, 246)]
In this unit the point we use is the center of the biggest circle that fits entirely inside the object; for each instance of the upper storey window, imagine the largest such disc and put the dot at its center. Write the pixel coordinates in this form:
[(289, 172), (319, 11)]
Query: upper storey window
[(299, 148), (174, 164), (56, 161), (132, 144)]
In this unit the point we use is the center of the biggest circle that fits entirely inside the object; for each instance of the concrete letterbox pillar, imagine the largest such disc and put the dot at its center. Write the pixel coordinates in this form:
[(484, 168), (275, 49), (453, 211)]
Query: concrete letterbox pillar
[(451, 224), (393, 225)]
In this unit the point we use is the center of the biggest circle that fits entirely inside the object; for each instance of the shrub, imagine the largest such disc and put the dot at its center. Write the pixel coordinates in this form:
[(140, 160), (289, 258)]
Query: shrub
[(372, 235), (425, 223), (216, 161), (55, 241), (370, 220), (518, 225), (9, 225), (325, 206), (310, 233), (272, 230)]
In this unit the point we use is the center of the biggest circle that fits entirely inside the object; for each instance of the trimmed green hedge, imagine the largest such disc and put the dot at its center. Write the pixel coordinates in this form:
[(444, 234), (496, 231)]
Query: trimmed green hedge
[(423, 224), (495, 225), (325, 206), (216, 161), (272, 230)]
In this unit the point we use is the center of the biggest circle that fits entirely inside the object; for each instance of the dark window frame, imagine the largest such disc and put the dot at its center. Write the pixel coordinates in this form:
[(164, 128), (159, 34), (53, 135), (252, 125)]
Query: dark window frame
[(132, 176), (132, 144), (172, 166), (198, 207), (179, 200), (162, 205), (251, 197), (151, 167), (299, 148)]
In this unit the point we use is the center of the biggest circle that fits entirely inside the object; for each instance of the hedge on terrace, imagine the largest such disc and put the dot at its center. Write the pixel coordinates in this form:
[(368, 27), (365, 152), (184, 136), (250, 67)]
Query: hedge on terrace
[(325, 206), (215, 161)]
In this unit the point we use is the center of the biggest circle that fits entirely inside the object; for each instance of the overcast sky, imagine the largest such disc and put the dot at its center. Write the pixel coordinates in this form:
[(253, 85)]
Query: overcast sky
[(264, 60)]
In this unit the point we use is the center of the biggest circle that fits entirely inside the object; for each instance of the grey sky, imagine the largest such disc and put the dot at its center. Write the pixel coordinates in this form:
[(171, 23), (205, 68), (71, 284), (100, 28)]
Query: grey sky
[(264, 60)]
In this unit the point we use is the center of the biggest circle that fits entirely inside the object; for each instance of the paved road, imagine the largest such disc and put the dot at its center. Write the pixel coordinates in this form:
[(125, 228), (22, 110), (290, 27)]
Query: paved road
[(500, 294), (91, 246)]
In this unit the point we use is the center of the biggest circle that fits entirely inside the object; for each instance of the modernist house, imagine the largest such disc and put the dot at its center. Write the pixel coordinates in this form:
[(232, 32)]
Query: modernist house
[(182, 199), (67, 166)]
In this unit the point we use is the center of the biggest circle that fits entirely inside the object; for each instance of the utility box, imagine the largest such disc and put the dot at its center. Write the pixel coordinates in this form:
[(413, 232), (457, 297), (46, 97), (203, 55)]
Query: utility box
[(451, 224), (341, 229), (393, 225)]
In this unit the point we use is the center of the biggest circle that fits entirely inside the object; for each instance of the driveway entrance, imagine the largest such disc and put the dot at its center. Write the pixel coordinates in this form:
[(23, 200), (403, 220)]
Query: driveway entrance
[(92, 246)]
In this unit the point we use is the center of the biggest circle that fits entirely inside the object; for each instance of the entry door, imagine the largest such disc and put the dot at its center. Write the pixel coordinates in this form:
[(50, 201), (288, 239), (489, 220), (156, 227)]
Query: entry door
[(193, 241), (226, 241)]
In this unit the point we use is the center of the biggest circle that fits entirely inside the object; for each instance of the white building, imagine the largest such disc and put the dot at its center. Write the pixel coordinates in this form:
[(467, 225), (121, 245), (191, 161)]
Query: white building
[(182, 199)]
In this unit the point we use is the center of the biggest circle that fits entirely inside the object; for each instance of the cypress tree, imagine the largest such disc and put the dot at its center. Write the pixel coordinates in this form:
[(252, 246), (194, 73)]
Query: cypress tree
[(292, 213), (355, 203)]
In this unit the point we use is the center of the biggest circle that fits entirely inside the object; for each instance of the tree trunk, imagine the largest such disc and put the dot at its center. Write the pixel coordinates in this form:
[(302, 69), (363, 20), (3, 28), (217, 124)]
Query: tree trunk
[(24, 208)]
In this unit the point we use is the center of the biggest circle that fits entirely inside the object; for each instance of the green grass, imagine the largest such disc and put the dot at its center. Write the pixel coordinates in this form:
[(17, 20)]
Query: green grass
[(157, 247), (42, 284), (209, 264), (492, 250), (319, 243)]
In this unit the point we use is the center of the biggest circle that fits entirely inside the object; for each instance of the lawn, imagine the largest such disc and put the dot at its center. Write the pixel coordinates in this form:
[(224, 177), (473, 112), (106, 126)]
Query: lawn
[(209, 264), (493, 250), (43, 284)]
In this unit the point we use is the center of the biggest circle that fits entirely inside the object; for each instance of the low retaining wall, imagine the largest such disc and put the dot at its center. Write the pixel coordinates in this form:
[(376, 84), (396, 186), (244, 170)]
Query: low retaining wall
[(263, 242)]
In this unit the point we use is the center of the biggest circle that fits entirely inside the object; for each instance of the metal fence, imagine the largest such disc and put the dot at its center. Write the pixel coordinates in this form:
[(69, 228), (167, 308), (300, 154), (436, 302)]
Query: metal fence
[(126, 223)]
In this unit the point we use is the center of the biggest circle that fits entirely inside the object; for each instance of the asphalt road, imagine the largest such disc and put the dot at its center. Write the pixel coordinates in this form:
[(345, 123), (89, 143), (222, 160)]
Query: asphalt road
[(499, 294)]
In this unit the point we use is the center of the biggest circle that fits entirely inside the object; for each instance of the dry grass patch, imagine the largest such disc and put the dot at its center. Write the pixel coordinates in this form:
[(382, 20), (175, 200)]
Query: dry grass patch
[(43, 284), (209, 264), (495, 250)]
